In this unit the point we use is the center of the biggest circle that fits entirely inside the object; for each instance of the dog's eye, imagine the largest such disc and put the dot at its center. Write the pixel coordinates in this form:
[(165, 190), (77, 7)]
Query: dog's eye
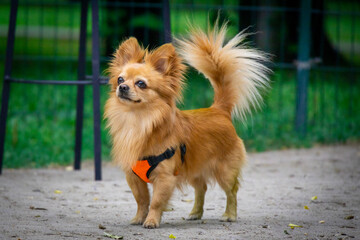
[(120, 80), (140, 84)]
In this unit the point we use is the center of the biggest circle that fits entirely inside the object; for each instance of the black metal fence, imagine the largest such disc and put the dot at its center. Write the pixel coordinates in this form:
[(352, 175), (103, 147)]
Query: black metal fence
[(315, 85)]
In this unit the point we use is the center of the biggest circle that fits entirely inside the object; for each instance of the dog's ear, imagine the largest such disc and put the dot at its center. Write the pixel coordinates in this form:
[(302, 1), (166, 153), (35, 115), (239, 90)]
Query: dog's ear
[(129, 51), (164, 59)]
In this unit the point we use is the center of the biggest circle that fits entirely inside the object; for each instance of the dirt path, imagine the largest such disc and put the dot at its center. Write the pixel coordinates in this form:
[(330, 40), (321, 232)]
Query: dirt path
[(60, 204)]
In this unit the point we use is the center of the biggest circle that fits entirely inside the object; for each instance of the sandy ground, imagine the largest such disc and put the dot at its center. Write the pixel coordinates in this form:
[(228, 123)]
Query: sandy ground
[(60, 204)]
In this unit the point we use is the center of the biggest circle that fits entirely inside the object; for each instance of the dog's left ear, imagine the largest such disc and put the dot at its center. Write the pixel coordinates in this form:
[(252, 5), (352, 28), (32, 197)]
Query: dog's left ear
[(164, 59)]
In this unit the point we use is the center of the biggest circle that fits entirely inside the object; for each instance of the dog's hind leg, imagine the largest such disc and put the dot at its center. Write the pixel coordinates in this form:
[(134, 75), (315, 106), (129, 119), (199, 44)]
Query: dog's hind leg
[(200, 187), (141, 193), (230, 186), (227, 175)]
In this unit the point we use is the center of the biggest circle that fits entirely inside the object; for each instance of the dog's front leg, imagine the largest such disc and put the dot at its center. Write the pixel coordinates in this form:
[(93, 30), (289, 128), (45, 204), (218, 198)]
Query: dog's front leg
[(163, 187), (141, 193)]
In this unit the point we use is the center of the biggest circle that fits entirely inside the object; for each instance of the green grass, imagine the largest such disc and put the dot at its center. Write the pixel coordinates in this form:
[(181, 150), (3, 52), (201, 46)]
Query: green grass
[(41, 122)]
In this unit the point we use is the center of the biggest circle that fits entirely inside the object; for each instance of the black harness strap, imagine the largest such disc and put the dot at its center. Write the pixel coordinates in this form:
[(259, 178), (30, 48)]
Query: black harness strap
[(169, 153), (183, 151), (155, 160)]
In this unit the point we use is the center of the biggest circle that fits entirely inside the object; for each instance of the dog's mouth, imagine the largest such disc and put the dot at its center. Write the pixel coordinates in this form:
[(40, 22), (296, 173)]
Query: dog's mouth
[(129, 99)]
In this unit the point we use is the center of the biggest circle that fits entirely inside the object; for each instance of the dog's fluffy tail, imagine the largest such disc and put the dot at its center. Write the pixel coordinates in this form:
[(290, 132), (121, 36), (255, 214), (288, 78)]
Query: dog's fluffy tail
[(236, 72)]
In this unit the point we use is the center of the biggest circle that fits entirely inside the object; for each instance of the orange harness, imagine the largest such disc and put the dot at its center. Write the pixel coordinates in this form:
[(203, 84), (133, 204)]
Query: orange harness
[(145, 166)]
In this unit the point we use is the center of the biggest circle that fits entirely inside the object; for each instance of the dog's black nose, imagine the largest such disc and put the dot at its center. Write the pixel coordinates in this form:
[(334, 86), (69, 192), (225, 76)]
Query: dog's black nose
[(124, 88)]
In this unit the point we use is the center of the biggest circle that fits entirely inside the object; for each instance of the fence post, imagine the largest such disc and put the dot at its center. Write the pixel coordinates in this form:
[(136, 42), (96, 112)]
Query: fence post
[(166, 20), (303, 66), (7, 73), (96, 86), (80, 88)]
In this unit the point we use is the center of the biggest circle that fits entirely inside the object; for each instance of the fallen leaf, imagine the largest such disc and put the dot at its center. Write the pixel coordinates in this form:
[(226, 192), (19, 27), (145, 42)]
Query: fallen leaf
[(314, 198), (69, 168), (112, 236), (347, 227), (172, 236), (306, 207), (78, 212), (292, 226), (95, 199), (322, 221), (186, 200), (37, 208), (102, 227), (57, 191), (349, 217), (286, 232)]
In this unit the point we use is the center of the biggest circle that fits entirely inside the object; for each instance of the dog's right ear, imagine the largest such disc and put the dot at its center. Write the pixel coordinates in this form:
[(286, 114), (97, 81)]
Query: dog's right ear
[(128, 51)]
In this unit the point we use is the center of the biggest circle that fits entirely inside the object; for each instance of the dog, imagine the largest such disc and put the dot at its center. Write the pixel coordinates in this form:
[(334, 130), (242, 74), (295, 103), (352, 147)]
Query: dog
[(153, 141)]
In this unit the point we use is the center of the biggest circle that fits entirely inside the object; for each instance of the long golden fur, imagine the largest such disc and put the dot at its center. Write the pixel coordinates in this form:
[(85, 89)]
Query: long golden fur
[(145, 121)]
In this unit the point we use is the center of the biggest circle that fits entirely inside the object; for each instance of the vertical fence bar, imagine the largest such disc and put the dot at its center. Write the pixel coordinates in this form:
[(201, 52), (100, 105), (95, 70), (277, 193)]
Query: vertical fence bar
[(80, 88), (146, 28), (352, 73), (96, 87), (7, 73), (303, 67), (166, 20)]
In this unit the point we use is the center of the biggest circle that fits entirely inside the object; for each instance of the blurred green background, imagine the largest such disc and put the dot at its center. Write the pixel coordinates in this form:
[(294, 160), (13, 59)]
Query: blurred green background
[(41, 120)]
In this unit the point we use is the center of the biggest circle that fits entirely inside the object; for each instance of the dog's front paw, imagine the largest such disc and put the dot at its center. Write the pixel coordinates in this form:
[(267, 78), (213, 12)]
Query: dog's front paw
[(228, 218), (151, 223), (137, 220)]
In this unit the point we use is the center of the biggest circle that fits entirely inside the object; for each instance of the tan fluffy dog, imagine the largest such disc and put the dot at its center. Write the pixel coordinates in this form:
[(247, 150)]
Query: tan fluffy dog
[(144, 121)]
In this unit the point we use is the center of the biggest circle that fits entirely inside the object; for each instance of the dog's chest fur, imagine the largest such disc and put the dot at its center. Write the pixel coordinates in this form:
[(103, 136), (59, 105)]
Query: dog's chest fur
[(138, 133)]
